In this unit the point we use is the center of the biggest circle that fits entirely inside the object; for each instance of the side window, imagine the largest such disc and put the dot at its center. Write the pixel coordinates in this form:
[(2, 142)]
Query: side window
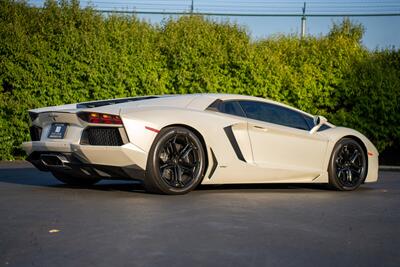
[(231, 107), (310, 121), (274, 114), (259, 111)]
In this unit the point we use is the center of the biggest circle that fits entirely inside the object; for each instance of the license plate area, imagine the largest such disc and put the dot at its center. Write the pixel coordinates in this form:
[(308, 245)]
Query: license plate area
[(57, 130)]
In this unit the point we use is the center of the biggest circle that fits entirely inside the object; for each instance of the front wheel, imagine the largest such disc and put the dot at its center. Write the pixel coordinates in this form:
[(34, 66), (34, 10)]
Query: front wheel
[(176, 162), (348, 165)]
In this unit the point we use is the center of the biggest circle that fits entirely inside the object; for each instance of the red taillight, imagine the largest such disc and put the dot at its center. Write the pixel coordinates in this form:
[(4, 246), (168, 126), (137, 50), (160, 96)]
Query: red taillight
[(94, 117)]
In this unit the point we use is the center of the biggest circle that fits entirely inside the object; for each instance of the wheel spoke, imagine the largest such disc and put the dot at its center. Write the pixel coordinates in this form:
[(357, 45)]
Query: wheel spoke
[(349, 175), (172, 148), (178, 176), (340, 172), (166, 166), (187, 170), (185, 151), (174, 144), (345, 152), (190, 164), (354, 156), (356, 173), (355, 169)]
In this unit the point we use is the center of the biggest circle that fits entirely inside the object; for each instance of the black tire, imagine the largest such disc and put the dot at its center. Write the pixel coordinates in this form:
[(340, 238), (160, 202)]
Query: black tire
[(176, 162), (75, 180), (348, 165)]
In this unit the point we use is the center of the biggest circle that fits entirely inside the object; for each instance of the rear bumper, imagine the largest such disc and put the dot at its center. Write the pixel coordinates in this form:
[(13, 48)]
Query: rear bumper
[(127, 161)]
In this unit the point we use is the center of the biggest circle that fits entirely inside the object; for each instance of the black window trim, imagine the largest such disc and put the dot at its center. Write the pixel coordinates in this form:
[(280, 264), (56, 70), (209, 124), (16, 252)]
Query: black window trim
[(214, 106)]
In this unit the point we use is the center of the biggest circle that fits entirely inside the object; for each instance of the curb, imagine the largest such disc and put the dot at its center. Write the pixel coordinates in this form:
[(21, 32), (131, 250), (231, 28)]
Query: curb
[(389, 168)]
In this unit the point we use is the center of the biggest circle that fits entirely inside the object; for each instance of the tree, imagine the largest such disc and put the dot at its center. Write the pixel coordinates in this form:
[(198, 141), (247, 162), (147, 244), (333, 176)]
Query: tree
[(347, 28)]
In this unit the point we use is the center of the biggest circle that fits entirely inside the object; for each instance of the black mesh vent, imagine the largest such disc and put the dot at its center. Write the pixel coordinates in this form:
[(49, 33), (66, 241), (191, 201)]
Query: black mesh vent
[(35, 132), (101, 136)]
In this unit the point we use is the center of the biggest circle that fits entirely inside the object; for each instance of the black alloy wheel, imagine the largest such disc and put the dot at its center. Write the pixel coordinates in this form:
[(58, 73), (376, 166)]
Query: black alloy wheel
[(348, 166), (176, 162)]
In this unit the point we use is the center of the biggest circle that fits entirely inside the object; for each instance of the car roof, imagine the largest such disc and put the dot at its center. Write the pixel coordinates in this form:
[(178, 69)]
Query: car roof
[(225, 97), (198, 101)]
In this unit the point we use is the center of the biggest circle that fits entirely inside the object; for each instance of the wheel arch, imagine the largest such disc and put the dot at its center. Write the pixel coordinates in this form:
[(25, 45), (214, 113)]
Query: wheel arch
[(361, 143)]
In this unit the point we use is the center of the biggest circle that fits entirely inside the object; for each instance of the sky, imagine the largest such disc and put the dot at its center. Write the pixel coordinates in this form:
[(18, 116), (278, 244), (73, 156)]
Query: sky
[(381, 31)]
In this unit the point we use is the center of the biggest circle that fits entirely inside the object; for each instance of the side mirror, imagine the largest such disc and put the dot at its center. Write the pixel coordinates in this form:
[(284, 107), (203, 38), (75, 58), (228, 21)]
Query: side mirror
[(318, 122)]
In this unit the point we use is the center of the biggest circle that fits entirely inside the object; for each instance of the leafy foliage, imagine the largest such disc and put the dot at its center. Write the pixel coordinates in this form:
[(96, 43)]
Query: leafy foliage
[(64, 54)]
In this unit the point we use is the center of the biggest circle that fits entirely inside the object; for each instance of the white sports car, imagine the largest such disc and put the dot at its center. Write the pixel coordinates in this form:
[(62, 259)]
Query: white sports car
[(174, 142)]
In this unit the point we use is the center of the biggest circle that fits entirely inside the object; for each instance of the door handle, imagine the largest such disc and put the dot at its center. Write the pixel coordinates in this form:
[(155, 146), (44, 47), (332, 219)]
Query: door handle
[(260, 128)]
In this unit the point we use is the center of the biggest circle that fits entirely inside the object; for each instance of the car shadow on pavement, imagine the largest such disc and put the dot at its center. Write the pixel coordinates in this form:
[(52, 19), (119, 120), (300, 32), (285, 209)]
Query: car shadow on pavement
[(32, 177), (270, 187)]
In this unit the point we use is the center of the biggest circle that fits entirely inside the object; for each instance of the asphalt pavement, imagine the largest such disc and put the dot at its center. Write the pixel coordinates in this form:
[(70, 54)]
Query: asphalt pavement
[(45, 223)]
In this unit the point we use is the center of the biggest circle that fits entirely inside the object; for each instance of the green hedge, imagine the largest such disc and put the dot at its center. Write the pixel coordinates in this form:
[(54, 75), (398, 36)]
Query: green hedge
[(63, 54)]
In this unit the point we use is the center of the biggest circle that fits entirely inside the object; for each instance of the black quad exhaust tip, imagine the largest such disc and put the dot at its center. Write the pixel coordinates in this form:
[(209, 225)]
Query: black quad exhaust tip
[(54, 160)]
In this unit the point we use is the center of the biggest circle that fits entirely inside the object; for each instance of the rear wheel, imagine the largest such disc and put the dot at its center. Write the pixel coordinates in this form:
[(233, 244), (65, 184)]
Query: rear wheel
[(176, 162), (348, 165), (75, 180)]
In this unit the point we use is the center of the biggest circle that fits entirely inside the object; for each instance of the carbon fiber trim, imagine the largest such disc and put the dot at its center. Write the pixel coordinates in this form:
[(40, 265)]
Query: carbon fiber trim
[(215, 164)]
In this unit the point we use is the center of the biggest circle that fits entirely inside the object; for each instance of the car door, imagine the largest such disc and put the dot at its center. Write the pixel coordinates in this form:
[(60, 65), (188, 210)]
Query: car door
[(281, 142)]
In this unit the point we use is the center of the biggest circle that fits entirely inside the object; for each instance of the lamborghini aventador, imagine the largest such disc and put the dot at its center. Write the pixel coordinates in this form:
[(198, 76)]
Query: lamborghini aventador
[(173, 143)]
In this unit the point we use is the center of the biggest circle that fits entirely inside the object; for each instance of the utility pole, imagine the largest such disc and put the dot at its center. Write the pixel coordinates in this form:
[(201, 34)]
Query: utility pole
[(192, 7), (303, 22)]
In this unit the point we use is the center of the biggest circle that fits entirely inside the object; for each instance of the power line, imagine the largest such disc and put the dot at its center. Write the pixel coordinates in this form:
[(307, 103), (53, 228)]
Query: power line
[(225, 4), (247, 14), (251, 8)]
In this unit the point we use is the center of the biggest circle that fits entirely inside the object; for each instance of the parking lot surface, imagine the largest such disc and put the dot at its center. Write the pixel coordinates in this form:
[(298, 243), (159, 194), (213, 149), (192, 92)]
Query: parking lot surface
[(114, 223)]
